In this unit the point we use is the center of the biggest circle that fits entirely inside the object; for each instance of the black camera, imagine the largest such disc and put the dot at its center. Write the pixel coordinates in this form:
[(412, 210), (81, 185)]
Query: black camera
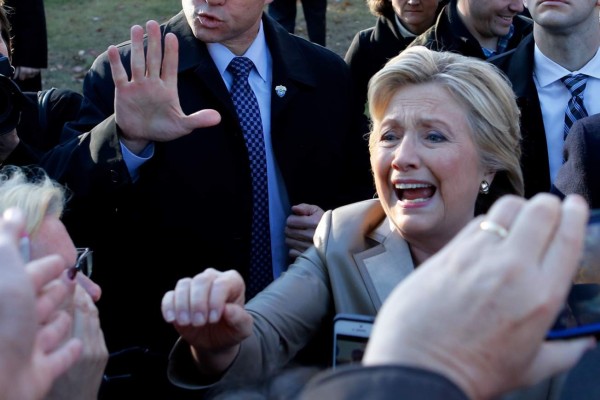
[(11, 98)]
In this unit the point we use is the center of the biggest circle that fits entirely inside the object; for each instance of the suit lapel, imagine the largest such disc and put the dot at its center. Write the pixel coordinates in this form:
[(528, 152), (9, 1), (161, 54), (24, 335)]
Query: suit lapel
[(382, 267), (291, 69)]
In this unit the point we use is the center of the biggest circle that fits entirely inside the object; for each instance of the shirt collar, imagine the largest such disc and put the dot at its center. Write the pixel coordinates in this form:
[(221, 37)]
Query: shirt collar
[(403, 31), (501, 45), (548, 71), (257, 52)]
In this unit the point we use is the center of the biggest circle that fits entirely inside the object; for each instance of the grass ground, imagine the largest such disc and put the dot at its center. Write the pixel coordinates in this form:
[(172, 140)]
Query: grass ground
[(80, 30)]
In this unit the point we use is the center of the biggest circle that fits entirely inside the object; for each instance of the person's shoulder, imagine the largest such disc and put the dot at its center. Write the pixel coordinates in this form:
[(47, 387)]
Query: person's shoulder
[(502, 60), (426, 38), (357, 212), (517, 54), (592, 122), (345, 228), (523, 25)]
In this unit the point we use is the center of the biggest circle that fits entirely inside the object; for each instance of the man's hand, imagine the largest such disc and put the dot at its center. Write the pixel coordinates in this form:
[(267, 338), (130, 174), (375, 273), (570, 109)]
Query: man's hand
[(147, 107), (478, 311), (300, 228), (23, 73)]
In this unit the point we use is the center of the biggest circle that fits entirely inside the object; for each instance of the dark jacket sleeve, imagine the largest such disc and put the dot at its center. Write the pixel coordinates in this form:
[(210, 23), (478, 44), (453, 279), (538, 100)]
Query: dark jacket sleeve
[(381, 383)]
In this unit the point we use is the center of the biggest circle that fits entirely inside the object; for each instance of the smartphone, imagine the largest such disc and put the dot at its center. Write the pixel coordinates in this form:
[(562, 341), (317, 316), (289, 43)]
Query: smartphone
[(350, 335), (581, 314)]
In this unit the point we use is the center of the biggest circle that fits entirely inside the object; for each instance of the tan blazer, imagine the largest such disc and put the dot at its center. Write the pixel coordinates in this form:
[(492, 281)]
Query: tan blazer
[(355, 263)]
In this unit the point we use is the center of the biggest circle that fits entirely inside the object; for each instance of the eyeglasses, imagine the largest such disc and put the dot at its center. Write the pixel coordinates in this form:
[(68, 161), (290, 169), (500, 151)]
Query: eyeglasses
[(83, 264)]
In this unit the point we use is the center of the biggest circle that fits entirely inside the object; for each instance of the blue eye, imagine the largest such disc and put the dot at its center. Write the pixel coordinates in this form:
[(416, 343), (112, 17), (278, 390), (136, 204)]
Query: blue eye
[(435, 137), (388, 136)]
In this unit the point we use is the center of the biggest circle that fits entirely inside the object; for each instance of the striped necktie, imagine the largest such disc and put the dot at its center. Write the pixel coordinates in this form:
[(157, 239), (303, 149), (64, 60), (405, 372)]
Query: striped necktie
[(575, 108)]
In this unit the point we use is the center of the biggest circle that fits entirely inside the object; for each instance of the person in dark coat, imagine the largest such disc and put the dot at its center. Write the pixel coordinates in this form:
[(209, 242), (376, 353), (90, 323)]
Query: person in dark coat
[(398, 23), (563, 43), (38, 117), (30, 46), (473, 28), (160, 192)]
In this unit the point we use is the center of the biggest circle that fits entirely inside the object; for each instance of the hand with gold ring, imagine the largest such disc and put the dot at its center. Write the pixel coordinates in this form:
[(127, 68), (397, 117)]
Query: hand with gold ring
[(480, 292), (493, 227)]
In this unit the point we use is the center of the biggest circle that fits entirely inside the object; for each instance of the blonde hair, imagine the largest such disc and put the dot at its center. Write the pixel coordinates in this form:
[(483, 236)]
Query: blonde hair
[(32, 191), (484, 92)]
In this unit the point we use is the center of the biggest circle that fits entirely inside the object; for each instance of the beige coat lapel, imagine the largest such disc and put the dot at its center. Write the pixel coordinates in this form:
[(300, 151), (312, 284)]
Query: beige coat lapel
[(382, 267)]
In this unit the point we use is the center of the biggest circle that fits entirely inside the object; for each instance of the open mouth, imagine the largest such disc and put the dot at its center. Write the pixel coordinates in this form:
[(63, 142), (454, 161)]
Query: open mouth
[(414, 192)]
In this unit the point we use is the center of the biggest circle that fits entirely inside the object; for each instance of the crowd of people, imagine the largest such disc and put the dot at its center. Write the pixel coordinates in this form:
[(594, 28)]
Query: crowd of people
[(237, 187)]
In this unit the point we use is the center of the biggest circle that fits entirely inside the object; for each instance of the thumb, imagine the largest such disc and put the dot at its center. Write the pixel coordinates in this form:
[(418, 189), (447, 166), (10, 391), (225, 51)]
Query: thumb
[(239, 319), (203, 119), (557, 356)]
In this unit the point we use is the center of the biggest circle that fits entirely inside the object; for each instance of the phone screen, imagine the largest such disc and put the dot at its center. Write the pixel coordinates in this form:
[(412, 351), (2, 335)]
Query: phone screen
[(581, 314), (351, 334), (349, 349)]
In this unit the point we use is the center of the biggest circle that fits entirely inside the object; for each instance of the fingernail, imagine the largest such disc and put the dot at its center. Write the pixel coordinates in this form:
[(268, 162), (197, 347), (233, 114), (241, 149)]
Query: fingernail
[(184, 318), (199, 319), (170, 317), (213, 317), (72, 273)]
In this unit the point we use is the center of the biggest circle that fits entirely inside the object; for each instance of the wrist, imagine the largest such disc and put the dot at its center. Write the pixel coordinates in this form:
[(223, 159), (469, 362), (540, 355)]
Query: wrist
[(214, 363), (136, 146)]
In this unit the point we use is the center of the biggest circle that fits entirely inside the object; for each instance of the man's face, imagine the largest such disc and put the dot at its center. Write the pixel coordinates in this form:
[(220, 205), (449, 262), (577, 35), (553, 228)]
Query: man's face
[(490, 18), (233, 23), (561, 16)]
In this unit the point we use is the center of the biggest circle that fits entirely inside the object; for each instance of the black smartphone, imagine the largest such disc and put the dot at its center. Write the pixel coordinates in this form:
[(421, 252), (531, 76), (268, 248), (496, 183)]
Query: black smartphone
[(581, 314), (350, 335)]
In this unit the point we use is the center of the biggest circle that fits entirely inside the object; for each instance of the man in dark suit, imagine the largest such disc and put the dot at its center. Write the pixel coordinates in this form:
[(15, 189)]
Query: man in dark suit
[(159, 194), (477, 28), (580, 172), (564, 42)]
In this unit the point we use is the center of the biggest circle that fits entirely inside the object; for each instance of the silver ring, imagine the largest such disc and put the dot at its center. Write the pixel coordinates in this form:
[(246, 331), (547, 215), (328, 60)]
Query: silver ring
[(493, 227)]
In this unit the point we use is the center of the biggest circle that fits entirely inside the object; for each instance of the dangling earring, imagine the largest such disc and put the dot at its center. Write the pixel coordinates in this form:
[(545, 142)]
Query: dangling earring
[(484, 187)]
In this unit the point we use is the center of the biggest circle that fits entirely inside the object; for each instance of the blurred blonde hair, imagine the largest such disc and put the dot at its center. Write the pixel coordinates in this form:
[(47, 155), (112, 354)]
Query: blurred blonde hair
[(481, 89), (32, 191)]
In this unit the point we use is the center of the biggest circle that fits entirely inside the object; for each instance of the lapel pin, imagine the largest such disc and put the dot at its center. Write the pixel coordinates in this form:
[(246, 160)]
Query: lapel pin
[(280, 90)]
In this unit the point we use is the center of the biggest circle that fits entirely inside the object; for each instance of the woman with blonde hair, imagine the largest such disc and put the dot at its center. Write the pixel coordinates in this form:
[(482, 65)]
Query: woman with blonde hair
[(444, 145)]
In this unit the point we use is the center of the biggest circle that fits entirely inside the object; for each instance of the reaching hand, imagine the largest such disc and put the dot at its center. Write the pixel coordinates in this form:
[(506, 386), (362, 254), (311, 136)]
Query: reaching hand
[(479, 310), (147, 107), (32, 356), (82, 381), (208, 312)]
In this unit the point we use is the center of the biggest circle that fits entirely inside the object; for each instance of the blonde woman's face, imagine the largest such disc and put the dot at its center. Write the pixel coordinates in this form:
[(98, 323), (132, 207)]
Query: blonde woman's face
[(416, 15), (52, 238), (426, 166)]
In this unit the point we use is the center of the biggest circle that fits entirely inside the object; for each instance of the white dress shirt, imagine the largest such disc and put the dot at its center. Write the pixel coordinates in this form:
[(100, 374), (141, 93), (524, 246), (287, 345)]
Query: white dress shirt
[(554, 97)]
